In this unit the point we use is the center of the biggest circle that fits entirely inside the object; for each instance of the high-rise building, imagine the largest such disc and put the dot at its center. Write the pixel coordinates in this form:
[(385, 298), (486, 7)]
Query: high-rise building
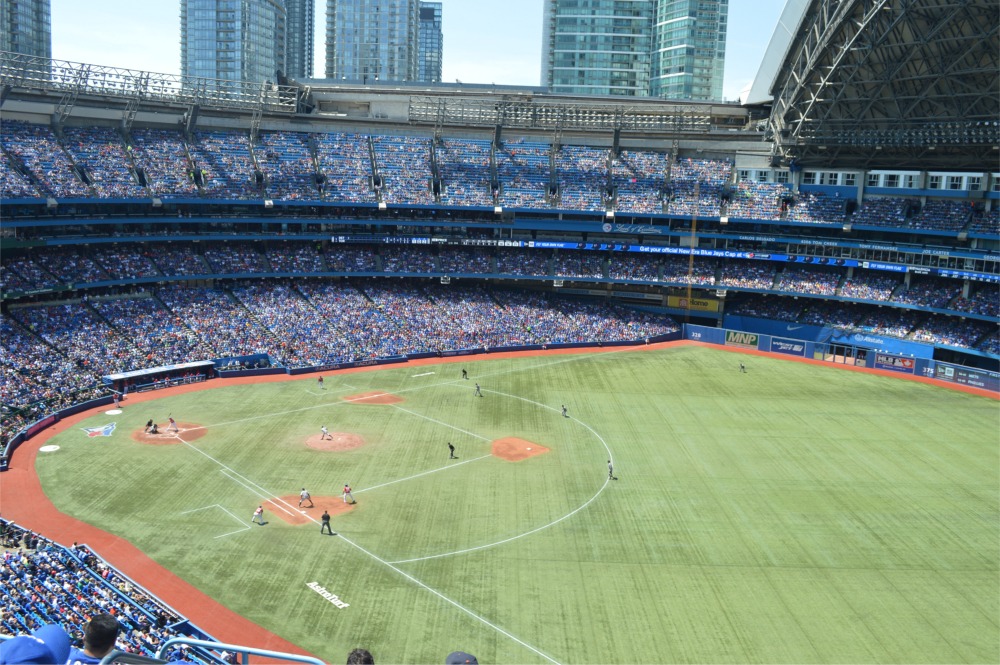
[(25, 27), (597, 47), (672, 49), (233, 40), (372, 40), (689, 49), (300, 24), (431, 45)]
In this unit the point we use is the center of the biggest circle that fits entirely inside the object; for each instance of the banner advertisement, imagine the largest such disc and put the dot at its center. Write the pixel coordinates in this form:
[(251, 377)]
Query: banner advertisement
[(894, 363), (699, 304), (791, 347), (742, 340)]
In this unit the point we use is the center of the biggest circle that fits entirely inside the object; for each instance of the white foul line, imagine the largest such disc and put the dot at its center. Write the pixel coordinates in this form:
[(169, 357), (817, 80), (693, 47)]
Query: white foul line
[(449, 600), (413, 579), (424, 374)]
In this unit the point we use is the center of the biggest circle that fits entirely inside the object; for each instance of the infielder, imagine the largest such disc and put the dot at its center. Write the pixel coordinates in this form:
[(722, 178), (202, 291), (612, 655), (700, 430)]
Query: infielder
[(304, 496), (348, 495), (324, 433), (258, 516)]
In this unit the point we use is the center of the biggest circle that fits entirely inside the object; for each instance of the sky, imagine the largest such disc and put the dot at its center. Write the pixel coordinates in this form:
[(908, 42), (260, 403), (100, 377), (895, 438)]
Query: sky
[(482, 43)]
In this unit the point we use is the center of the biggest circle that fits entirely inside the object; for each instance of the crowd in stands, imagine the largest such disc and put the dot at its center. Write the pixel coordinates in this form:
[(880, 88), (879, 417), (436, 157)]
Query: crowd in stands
[(942, 215), (952, 331), (983, 300), (338, 167), (68, 264), (286, 160), (405, 260), (13, 183), (696, 186), (632, 267), (578, 264), (46, 583), (808, 280), (350, 258), (812, 208), (987, 222), (868, 285), (101, 152), (681, 270), (37, 148), (638, 178), (882, 211), (226, 166), (465, 172), (162, 156), (934, 292), (583, 177), (346, 167), (235, 259), (404, 162), (757, 200), (295, 257), (747, 275), (476, 261), (523, 170)]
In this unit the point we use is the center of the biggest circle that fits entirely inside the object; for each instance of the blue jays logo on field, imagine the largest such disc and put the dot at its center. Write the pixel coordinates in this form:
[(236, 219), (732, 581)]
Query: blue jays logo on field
[(100, 431)]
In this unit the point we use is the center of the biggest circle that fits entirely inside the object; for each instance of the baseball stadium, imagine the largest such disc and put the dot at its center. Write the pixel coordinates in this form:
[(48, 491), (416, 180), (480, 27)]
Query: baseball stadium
[(290, 370)]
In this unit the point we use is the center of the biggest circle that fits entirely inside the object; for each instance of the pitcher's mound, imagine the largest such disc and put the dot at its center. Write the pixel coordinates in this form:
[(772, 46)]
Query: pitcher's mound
[(514, 449), (373, 397), (335, 441), (286, 509), (185, 432)]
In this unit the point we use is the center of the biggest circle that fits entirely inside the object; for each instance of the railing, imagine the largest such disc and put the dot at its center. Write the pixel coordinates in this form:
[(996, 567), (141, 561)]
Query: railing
[(73, 78)]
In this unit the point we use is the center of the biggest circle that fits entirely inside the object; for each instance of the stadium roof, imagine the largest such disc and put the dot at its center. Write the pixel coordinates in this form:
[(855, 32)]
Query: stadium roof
[(877, 83)]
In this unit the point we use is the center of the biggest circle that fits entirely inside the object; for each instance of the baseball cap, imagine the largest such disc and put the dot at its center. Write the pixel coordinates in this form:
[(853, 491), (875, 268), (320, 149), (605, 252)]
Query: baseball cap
[(460, 658), (46, 646)]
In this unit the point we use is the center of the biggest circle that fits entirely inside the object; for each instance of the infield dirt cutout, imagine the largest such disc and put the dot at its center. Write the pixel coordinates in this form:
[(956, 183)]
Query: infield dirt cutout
[(335, 441), (286, 509), (186, 431), (513, 449), (373, 397)]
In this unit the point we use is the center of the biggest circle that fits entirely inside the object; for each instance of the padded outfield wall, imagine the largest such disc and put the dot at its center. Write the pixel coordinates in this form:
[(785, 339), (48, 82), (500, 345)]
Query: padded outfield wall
[(857, 349)]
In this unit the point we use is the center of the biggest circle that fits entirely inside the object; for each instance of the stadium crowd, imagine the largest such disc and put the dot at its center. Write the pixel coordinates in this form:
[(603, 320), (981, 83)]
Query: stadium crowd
[(108, 163)]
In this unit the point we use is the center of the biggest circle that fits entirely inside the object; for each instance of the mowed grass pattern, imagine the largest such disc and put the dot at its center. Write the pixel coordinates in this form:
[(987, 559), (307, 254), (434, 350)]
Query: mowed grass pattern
[(794, 513)]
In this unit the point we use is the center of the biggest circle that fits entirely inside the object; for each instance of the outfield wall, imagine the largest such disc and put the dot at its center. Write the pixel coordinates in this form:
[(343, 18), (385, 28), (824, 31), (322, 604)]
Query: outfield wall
[(858, 350)]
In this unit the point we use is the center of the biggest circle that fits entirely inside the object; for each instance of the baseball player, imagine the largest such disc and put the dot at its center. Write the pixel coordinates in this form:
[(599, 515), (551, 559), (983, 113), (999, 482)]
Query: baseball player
[(304, 496), (320, 382), (348, 495), (478, 393), (325, 433), (565, 415), (258, 516), (451, 451), (611, 471), (172, 427), (325, 525)]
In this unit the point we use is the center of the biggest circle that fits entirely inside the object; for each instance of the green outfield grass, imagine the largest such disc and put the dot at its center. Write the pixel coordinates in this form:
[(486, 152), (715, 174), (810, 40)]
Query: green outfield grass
[(792, 514)]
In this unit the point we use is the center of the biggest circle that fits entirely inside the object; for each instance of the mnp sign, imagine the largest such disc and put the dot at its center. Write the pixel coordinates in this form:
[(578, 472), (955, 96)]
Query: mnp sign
[(742, 339)]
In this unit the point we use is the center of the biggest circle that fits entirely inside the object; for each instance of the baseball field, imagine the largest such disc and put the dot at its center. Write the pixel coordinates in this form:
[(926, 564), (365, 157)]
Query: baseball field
[(793, 513)]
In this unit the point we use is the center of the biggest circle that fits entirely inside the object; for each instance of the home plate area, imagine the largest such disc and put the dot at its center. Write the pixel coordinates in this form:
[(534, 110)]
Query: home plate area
[(286, 508), (513, 449)]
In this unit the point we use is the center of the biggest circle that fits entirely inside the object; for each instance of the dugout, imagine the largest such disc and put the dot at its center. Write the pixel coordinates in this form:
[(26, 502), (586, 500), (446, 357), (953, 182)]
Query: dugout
[(153, 378)]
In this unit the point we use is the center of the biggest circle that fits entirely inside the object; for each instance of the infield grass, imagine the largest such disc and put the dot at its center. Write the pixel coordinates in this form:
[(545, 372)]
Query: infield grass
[(794, 513)]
